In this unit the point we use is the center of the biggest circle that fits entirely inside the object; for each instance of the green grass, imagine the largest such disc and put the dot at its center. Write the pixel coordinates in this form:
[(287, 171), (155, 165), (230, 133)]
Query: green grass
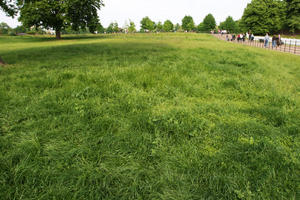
[(147, 116)]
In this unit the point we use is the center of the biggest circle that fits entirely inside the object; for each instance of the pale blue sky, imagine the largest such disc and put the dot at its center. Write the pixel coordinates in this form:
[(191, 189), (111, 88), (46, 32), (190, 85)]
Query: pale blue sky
[(160, 10)]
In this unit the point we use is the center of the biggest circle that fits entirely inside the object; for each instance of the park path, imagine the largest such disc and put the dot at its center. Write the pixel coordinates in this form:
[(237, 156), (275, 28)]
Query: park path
[(287, 47)]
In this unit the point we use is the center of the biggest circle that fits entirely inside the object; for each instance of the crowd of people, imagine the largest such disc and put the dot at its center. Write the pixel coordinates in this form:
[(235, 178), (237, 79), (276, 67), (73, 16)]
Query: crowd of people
[(276, 39), (240, 37)]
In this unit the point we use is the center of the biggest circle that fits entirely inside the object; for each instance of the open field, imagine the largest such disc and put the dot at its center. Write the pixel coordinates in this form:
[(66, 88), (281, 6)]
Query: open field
[(147, 116)]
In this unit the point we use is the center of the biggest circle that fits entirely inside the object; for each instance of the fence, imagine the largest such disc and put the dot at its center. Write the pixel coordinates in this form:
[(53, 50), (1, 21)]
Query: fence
[(288, 45)]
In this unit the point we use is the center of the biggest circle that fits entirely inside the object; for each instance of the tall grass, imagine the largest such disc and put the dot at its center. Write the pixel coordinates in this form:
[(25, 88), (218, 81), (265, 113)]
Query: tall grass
[(147, 116)]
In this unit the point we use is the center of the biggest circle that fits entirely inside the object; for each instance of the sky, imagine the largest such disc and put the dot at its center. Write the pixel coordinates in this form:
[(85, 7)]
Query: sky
[(121, 11)]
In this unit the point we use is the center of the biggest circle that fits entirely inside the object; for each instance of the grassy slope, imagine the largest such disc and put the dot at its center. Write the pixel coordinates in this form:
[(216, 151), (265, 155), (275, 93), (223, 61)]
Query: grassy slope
[(162, 116)]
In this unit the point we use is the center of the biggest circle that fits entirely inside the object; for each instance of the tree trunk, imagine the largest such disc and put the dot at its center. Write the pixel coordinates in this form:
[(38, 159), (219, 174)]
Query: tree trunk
[(58, 34), (1, 61)]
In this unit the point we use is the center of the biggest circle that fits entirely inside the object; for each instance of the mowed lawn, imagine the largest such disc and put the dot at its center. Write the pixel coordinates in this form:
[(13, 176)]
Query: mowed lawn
[(147, 116)]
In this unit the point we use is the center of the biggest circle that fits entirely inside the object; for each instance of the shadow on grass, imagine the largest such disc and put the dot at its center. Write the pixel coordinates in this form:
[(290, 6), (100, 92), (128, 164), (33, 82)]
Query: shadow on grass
[(89, 54), (41, 38)]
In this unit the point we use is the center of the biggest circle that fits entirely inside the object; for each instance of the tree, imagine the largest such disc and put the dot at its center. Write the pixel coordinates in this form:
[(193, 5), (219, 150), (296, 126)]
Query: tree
[(4, 28), (131, 28), (168, 26), (177, 28), (229, 24), (147, 24), (20, 29), (263, 16), (293, 15), (201, 27), (116, 28), (209, 23), (113, 28), (9, 7), (159, 27), (188, 23), (100, 28), (58, 14)]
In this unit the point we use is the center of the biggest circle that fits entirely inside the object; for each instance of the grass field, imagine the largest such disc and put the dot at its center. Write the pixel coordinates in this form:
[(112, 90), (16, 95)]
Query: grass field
[(147, 116)]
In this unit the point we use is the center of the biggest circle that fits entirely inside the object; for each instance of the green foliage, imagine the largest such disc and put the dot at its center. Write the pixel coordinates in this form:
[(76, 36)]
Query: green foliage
[(131, 28), (21, 29), (201, 27), (177, 28), (116, 28), (293, 15), (159, 27), (208, 24), (262, 16), (60, 14), (156, 116), (188, 23), (4, 28), (110, 28), (9, 7), (230, 25), (147, 24), (168, 26), (100, 28)]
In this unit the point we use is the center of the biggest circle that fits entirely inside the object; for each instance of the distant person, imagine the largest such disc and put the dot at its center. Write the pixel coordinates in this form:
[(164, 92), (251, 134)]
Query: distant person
[(252, 37), (274, 41), (279, 40), (227, 38), (267, 38), (233, 37)]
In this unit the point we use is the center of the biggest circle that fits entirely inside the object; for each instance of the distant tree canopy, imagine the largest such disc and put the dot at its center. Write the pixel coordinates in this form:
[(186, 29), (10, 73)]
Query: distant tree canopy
[(188, 23), (262, 16), (131, 27), (147, 24), (209, 23), (4, 28), (177, 27), (59, 14), (229, 24), (293, 15), (113, 28), (168, 26), (159, 27), (100, 28)]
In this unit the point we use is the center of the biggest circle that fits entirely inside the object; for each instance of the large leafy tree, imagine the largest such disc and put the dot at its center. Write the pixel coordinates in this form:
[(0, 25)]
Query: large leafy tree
[(147, 24), (293, 15), (229, 24), (59, 14), (209, 22), (168, 26), (262, 16), (188, 23)]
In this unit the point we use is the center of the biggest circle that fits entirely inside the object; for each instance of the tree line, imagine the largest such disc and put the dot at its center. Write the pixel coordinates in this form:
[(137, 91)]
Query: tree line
[(80, 16)]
